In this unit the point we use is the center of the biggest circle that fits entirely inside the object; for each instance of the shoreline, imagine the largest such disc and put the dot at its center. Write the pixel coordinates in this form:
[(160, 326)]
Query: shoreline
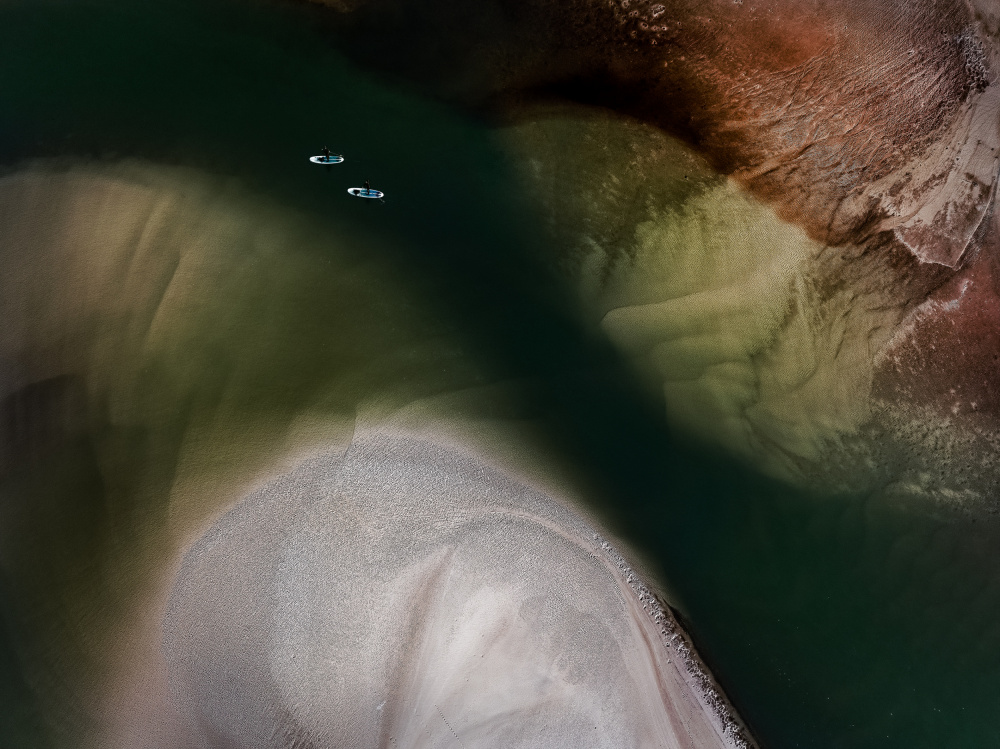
[(676, 639), (493, 632)]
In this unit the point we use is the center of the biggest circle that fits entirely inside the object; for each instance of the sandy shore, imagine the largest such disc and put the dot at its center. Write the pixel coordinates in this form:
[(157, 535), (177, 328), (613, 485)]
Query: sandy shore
[(408, 594)]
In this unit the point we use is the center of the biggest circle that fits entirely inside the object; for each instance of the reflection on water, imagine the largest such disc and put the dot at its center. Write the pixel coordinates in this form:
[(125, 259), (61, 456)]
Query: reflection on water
[(172, 333)]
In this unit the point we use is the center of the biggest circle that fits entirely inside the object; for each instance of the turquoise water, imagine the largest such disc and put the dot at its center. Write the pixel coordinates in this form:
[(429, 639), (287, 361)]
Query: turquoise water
[(831, 621)]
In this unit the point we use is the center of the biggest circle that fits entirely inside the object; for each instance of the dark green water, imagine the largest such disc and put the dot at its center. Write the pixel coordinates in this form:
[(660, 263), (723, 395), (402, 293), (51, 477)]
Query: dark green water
[(832, 622)]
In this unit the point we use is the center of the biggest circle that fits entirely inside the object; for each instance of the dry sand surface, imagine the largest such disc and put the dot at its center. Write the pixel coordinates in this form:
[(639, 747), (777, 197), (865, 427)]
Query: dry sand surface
[(408, 594)]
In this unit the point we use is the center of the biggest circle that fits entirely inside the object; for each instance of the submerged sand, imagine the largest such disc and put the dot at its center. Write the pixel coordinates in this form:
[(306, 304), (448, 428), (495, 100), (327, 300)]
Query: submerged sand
[(161, 342)]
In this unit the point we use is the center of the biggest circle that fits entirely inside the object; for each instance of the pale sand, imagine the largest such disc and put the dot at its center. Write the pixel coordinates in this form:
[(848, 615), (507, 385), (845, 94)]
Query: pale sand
[(408, 594)]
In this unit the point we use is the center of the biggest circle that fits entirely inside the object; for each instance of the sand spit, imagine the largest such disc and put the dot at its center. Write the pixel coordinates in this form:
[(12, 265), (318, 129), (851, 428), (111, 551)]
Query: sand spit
[(408, 594)]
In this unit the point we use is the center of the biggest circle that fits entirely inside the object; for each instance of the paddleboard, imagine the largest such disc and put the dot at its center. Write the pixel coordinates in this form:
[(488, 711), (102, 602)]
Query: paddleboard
[(360, 192), (323, 160)]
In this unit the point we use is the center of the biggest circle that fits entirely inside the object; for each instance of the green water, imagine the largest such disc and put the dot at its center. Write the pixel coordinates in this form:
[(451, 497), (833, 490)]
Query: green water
[(832, 622)]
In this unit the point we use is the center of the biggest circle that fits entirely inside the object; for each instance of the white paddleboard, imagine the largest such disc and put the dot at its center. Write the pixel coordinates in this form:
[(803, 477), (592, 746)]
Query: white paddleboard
[(324, 160), (360, 192)]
